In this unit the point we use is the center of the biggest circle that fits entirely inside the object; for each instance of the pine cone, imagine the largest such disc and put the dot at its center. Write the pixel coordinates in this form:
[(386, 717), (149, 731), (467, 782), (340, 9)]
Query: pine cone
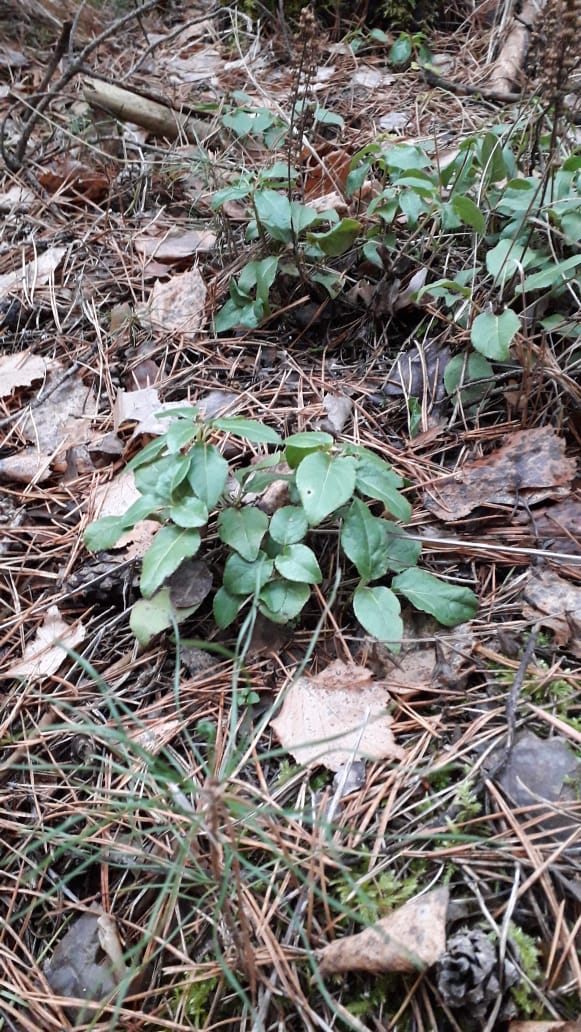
[(468, 974)]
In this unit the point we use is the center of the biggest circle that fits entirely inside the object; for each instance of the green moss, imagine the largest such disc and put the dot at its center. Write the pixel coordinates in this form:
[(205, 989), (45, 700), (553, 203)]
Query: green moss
[(527, 1002)]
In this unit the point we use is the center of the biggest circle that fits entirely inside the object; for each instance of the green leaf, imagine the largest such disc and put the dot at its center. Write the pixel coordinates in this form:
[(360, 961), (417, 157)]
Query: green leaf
[(297, 446), (449, 603), (226, 607), (379, 481), (324, 484), (556, 275), (104, 533), (246, 578), (378, 612), (364, 541), (461, 372), (491, 334), (401, 50), (232, 315), (170, 546), (469, 213), (236, 192), (492, 159), (140, 510), (298, 563), (401, 550), (261, 275), (303, 216), (273, 211), (147, 454), (162, 478), (151, 616), (282, 600), (325, 117), (191, 512), (288, 525), (243, 529), (179, 434), (249, 429), (208, 473), (339, 239)]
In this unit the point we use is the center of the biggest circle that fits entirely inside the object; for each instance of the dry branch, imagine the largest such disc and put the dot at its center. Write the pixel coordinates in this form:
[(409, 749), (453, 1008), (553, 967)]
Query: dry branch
[(128, 106)]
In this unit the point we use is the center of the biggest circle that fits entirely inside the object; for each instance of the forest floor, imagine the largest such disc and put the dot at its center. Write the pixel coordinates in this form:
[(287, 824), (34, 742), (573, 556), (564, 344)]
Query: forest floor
[(225, 803)]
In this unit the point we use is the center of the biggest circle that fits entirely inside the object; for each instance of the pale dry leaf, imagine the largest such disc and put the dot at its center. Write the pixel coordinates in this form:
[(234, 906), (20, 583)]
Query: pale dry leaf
[(530, 467), (177, 306), (73, 970), (140, 407), (175, 246), (25, 466), (114, 499), (64, 417), (338, 409), (545, 1026), (16, 197), (34, 273), (45, 654), (341, 714), (409, 940), (20, 370), (555, 603)]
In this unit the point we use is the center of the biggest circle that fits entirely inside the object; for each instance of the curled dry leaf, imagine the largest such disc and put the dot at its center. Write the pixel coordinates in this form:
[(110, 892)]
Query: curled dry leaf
[(74, 969), (530, 467), (337, 716), (409, 940), (44, 655)]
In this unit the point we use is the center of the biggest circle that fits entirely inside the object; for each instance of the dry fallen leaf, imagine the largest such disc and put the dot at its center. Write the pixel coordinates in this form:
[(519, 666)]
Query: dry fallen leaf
[(44, 655), (545, 1026), (140, 407), (114, 499), (73, 970), (177, 306), (339, 715), (556, 603), (35, 273), (409, 940), (20, 370), (64, 417), (173, 247), (530, 467)]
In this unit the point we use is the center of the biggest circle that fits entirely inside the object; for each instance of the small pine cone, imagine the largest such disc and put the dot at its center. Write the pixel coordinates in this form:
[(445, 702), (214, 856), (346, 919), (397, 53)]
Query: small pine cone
[(468, 974)]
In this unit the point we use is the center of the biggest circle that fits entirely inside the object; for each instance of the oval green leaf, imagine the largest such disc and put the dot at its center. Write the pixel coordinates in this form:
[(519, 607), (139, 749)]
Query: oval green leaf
[(448, 603), (298, 563), (243, 530), (282, 600), (492, 334), (246, 578), (288, 525), (249, 429), (324, 484), (364, 541), (170, 546), (208, 473), (378, 612)]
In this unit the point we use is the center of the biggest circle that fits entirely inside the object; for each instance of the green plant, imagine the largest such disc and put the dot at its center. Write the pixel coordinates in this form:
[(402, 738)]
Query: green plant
[(279, 222), (182, 478)]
